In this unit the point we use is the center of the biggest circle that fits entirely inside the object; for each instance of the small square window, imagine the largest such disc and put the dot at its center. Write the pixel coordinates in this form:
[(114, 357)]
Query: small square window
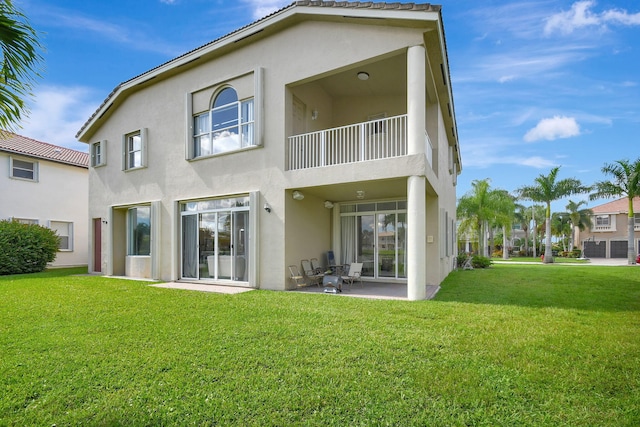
[(24, 169), (64, 230)]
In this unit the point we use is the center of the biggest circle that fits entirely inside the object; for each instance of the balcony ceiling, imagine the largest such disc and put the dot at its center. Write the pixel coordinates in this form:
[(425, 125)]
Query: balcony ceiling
[(386, 77)]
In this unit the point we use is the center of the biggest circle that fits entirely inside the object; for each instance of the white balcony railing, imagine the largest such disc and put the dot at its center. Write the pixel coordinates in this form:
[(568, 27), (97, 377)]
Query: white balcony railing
[(378, 139)]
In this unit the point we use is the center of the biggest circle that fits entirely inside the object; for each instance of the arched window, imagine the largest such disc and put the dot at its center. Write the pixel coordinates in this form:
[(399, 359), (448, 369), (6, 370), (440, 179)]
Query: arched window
[(228, 126)]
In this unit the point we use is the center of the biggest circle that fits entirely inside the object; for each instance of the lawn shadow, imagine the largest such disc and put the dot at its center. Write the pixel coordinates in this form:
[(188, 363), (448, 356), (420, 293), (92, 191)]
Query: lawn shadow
[(561, 286)]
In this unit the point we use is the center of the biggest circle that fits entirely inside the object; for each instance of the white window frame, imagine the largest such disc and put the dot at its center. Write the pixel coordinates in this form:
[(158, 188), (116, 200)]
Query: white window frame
[(126, 152), (99, 153), (13, 167), (600, 220), (59, 227), (27, 221), (248, 123)]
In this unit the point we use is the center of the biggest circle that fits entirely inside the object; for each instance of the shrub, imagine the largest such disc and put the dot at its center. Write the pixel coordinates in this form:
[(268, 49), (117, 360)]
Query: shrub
[(480, 262), (26, 248), (497, 254), (461, 259)]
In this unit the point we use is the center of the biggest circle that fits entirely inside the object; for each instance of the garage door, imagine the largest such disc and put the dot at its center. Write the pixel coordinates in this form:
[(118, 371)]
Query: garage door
[(595, 249), (618, 249)]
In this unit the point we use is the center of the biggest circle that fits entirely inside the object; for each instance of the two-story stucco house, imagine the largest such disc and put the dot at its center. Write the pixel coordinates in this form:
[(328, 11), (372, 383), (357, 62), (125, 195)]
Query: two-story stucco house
[(609, 236), (44, 184), (323, 126)]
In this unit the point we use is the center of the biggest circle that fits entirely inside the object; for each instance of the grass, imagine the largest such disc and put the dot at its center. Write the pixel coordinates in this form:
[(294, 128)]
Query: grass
[(510, 345)]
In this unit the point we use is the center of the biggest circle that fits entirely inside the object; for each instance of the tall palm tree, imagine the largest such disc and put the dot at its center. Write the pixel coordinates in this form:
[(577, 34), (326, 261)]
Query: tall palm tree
[(546, 190), (522, 216), (504, 213), (580, 219), (537, 213), (625, 183), (474, 210), (19, 48)]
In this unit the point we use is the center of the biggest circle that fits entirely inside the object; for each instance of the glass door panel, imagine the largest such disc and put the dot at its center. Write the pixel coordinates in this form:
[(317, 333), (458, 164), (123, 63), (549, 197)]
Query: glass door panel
[(190, 246), (386, 245), (366, 244), (401, 249), (240, 245), (224, 246), (206, 245)]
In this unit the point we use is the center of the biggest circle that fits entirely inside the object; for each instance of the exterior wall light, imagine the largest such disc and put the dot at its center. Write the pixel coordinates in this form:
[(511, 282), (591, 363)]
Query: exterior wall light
[(328, 204), (297, 195), (267, 207)]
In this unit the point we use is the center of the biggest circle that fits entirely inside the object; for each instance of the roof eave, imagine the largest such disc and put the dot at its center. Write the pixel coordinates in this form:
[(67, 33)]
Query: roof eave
[(295, 8)]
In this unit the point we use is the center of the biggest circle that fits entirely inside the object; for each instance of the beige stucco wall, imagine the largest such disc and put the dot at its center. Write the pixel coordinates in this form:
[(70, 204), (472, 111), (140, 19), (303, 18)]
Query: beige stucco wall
[(285, 57), (59, 194)]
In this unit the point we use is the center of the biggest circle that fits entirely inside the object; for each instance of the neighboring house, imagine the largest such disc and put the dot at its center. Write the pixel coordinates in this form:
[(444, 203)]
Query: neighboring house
[(324, 126), (45, 184), (608, 237)]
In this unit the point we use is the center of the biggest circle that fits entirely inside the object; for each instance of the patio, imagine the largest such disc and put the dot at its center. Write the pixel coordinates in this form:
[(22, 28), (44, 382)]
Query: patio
[(372, 290)]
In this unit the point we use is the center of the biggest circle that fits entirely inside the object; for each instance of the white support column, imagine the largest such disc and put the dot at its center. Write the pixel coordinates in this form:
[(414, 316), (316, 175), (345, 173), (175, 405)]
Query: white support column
[(416, 238), (416, 99)]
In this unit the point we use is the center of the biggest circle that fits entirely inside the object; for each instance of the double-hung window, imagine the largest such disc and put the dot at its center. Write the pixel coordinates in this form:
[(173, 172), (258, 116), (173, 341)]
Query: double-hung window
[(24, 169), (602, 220), (228, 126), (99, 153), (134, 150), (64, 230)]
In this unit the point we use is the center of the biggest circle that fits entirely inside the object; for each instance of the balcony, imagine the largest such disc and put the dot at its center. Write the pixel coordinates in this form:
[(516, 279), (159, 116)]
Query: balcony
[(360, 142)]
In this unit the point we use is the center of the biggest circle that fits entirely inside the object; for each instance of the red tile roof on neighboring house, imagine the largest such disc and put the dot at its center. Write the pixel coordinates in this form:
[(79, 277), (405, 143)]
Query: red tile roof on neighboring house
[(18, 144), (617, 206)]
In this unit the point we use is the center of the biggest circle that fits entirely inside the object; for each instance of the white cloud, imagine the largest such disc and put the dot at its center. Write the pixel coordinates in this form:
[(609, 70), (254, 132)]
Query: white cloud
[(57, 113), (580, 15), (262, 8), (553, 128)]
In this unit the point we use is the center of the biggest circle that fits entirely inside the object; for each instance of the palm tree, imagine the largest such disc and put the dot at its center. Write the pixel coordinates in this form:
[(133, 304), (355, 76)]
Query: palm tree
[(20, 57), (560, 227), (546, 190), (580, 218), (625, 183), (537, 213), (522, 216), (504, 213), (473, 210)]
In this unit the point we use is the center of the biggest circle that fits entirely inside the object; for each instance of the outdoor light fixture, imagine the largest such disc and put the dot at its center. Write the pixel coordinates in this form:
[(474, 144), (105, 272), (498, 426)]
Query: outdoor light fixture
[(297, 195), (360, 194), (267, 207), (363, 75), (314, 114), (328, 204)]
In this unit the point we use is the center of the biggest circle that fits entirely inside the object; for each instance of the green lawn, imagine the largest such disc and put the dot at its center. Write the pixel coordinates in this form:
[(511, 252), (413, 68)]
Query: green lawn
[(557, 260), (510, 345)]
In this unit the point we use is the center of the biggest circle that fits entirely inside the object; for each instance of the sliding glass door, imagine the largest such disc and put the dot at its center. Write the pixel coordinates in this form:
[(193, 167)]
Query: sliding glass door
[(215, 239), (375, 234)]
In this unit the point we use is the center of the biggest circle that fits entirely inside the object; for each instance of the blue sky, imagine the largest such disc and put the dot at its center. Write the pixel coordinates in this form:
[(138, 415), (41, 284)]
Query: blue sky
[(536, 84)]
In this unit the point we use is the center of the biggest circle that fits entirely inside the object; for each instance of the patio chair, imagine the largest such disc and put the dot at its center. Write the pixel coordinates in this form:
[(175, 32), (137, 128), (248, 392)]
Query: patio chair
[(331, 265), (295, 276), (354, 273), (312, 275), (315, 265)]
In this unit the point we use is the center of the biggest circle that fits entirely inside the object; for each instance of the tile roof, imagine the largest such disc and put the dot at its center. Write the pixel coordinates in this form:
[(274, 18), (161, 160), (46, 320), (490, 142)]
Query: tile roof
[(18, 144), (420, 7), (617, 206)]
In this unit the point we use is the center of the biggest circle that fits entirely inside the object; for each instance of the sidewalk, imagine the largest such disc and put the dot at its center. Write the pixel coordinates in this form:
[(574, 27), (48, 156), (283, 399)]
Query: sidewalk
[(615, 262)]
